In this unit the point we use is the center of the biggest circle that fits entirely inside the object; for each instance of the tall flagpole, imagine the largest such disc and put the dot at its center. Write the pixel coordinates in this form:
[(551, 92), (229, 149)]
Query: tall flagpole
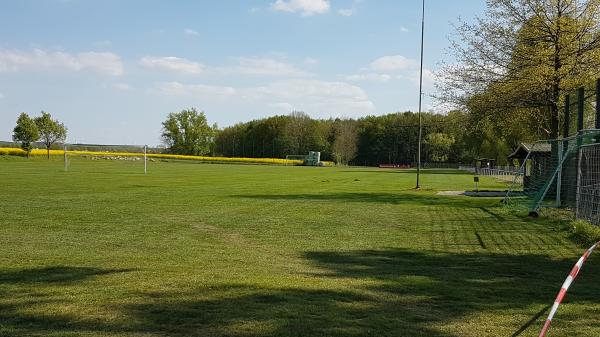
[(420, 96)]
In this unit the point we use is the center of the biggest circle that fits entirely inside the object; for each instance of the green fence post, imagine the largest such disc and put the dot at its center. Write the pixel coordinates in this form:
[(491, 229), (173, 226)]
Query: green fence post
[(597, 104), (580, 108), (567, 124)]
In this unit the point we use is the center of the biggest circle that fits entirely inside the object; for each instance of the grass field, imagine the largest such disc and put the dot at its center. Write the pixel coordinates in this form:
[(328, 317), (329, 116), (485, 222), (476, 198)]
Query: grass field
[(226, 250)]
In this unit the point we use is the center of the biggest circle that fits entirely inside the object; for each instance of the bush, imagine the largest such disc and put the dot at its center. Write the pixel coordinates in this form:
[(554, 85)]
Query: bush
[(584, 232)]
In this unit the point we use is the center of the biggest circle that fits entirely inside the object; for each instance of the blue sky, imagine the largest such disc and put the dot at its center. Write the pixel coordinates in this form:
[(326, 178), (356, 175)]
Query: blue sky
[(112, 70)]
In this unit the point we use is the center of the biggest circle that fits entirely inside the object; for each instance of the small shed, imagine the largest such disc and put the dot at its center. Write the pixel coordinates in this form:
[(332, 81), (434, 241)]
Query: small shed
[(538, 163), (523, 150), (483, 163)]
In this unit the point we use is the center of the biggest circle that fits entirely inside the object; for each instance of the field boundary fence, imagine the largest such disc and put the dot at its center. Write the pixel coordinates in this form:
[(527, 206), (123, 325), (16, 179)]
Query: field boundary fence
[(588, 190), (565, 172), (504, 173), (510, 175), (471, 169), (435, 165)]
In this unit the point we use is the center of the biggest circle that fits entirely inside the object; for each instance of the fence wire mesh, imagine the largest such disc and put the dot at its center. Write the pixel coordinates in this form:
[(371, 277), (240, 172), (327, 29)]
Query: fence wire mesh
[(548, 176), (588, 192), (564, 172)]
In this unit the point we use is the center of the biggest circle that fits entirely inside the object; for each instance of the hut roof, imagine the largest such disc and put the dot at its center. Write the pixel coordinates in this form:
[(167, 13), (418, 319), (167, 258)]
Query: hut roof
[(524, 148)]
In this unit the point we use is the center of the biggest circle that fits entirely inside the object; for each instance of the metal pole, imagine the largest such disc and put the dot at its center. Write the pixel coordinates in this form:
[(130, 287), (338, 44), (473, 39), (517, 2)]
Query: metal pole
[(563, 147), (65, 156), (578, 193), (420, 96), (559, 178), (597, 104), (580, 113), (567, 124), (145, 159), (580, 108)]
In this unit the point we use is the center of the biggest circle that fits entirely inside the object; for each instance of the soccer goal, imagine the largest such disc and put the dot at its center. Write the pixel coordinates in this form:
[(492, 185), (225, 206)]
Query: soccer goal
[(135, 157)]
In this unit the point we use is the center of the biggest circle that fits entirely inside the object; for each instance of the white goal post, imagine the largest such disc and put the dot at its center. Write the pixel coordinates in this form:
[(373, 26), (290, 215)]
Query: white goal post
[(107, 152)]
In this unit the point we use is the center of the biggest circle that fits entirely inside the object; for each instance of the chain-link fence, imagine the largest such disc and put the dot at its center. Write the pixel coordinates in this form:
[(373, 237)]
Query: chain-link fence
[(548, 174), (564, 172), (588, 191)]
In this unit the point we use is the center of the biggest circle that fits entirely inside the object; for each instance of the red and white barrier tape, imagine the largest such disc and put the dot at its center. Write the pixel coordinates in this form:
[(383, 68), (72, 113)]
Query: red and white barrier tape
[(563, 290)]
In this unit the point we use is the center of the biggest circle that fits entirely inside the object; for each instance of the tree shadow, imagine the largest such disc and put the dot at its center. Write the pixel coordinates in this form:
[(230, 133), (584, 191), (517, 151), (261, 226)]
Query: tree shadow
[(365, 197), (410, 171), (54, 274), (456, 285), (25, 289), (393, 292), (390, 292), (255, 311)]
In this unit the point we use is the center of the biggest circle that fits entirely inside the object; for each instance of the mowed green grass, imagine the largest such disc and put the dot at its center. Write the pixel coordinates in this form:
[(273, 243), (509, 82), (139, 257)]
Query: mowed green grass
[(232, 250)]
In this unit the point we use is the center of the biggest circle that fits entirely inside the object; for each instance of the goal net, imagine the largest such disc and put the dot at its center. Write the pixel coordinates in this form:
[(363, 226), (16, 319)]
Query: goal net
[(133, 157), (551, 172)]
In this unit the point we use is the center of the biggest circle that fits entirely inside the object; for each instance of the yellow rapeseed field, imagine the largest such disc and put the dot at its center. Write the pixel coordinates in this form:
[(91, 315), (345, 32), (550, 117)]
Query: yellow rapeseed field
[(42, 152)]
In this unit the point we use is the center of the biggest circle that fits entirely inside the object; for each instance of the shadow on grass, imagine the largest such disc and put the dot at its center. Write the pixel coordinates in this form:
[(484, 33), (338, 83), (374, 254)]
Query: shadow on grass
[(382, 198), (411, 171), (26, 289), (495, 216), (54, 274), (392, 292), (399, 293)]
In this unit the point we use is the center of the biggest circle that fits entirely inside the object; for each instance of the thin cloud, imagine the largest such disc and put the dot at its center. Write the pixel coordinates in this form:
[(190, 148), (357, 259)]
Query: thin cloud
[(393, 63), (258, 66), (172, 64), (122, 87), (305, 7), (103, 44), (429, 78), (189, 31), (372, 77), (282, 106), (317, 97), (320, 98), (196, 90), (310, 61), (100, 62), (346, 11)]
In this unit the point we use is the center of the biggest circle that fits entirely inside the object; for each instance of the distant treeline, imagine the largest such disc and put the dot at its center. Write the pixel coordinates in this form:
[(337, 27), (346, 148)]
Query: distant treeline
[(368, 141)]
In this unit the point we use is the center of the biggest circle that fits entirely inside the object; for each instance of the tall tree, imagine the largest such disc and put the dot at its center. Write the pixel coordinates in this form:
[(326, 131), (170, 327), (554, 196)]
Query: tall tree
[(26, 132), (522, 56), (345, 143), (438, 146), (188, 132), (298, 133), (51, 131)]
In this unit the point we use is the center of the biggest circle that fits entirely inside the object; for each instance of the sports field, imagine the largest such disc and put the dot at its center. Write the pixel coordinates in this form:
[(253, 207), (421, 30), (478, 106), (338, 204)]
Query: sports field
[(242, 250)]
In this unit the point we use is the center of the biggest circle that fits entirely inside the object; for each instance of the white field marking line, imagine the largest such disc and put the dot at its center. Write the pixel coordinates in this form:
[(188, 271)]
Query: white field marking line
[(563, 290)]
